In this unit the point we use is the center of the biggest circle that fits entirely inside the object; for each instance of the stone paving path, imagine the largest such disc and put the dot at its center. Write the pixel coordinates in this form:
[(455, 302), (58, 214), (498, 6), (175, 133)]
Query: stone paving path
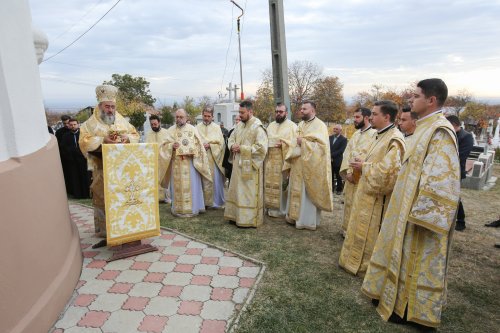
[(187, 286)]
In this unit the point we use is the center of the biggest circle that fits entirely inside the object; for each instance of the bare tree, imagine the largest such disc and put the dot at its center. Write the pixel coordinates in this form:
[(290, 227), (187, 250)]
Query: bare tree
[(302, 78), (459, 101)]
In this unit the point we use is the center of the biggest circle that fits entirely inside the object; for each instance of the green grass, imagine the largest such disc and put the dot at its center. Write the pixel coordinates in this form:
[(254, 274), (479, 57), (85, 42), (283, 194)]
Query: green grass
[(304, 290)]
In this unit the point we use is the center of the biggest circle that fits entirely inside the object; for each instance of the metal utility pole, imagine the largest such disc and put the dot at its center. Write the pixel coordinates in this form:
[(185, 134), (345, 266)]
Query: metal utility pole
[(278, 51), (239, 45)]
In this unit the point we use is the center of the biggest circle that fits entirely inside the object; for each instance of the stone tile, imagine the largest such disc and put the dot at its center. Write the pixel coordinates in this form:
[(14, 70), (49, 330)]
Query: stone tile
[(178, 279), (90, 254), (90, 273), (94, 319), (135, 303), (248, 272), (211, 252), (189, 259), (196, 245), (174, 250), (123, 321), (71, 317), (119, 265), (104, 255), (96, 287), (162, 306), (108, 302), (247, 282), (78, 329), (240, 294), (210, 260), (196, 293), (213, 326), (168, 236), (228, 271), (154, 277), (184, 324), (171, 291), (96, 264), (247, 263), (194, 251), (230, 261), (183, 268), (162, 267), (222, 294), (149, 257), (120, 288), (181, 238), (222, 281), (229, 254), (108, 275), (201, 280), (192, 308), (169, 258), (178, 243), (217, 310), (162, 242), (203, 269), (131, 276), (80, 284), (84, 300), (146, 289), (140, 265), (154, 324)]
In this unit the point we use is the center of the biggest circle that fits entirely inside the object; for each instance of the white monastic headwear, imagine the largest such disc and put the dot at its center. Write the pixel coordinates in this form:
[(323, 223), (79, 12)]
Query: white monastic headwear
[(106, 93)]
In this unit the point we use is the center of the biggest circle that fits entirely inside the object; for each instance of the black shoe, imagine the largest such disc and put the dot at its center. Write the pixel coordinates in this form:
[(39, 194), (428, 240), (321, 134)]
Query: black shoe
[(394, 318), (375, 302), (494, 224), (460, 227)]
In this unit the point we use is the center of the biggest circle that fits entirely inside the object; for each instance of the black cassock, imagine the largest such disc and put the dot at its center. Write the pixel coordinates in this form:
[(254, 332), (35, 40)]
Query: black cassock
[(77, 177)]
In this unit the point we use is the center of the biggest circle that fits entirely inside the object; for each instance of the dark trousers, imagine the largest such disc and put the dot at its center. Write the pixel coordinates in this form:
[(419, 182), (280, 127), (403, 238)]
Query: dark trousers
[(336, 179), (460, 213)]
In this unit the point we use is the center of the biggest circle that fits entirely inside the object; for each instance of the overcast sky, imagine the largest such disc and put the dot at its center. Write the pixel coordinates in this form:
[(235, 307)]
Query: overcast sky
[(190, 47)]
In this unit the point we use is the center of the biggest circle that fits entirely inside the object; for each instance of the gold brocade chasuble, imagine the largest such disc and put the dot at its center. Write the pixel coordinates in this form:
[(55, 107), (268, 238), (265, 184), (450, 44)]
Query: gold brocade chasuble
[(158, 138), (409, 261), (131, 192), (310, 163), (275, 161), (244, 203), (175, 164), (357, 146), (212, 135), (92, 133), (379, 173)]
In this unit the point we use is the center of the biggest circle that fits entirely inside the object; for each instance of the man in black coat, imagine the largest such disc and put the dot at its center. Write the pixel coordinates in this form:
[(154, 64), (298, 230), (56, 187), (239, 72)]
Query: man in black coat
[(338, 142), (465, 143)]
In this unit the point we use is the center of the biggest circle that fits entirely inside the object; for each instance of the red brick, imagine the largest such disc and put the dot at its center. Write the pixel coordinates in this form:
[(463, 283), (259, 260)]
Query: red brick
[(201, 280), (169, 258), (222, 294), (85, 299), (249, 264), (84, 246), (153, 324), (90, 254), (210, 260), (108, 275), (168, 236), (229, 254), (94, 319), (228, 271), (246, 282), (171, 291), (213, 326), (96, 264), (80, 284), (135, 303), (193, 251), (141, 265), (184, 268), (154, 277), (120, 288), (190, 308), (58, 330), (180, 243)]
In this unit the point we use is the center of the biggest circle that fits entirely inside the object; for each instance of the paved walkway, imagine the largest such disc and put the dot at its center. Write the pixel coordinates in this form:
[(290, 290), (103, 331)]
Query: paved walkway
[(187, 286)]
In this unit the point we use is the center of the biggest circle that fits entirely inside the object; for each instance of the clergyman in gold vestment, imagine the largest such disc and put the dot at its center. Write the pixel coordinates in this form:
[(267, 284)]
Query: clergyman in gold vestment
[(407, 271), (357, 147), (183, 162), (105, 126), (310, 187), (379, 171), (158, 135), (213, 142), (280, 134), (248, 144)]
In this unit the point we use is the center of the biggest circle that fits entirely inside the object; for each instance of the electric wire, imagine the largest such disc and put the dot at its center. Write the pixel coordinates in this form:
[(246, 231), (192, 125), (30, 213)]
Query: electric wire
[(77, 22)]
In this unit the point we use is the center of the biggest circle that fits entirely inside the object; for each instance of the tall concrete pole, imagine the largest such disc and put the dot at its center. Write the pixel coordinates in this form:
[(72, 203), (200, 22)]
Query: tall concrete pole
[(278, 52)]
